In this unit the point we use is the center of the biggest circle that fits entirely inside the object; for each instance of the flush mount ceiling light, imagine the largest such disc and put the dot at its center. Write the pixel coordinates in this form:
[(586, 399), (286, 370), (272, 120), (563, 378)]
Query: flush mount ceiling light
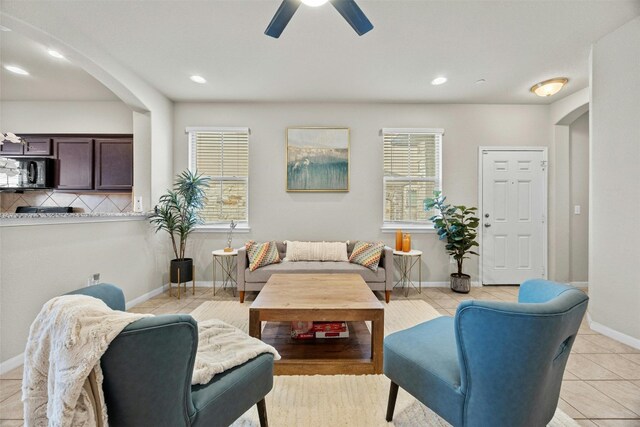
[(198, 79), (55, 54), (549, 87), (314, 3), (16, 70), (438, 81)]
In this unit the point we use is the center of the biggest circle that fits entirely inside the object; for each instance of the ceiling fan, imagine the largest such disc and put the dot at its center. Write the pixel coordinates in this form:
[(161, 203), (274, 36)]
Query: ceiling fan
[(349, 10)]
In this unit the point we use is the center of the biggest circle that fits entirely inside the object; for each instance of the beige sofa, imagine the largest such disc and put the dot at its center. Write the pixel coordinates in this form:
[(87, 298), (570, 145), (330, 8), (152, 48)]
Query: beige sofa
[(380, 280)]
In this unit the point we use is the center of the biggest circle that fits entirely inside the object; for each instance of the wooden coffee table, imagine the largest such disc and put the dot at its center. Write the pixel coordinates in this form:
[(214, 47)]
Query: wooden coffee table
[(320, 297)]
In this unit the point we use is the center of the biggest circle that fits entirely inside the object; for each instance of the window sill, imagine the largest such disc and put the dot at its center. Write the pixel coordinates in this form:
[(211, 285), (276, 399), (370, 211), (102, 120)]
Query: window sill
[(414, 228), (215, 228)]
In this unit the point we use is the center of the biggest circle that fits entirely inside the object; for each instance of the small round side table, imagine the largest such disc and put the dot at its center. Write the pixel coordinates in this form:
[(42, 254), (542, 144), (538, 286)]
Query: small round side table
[(405, 261), (226, 261)]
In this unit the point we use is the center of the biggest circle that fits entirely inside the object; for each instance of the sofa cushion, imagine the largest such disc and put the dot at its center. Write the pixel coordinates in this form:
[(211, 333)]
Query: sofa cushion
[(316, 251), (367, 254), (262, 274), (261, 254)]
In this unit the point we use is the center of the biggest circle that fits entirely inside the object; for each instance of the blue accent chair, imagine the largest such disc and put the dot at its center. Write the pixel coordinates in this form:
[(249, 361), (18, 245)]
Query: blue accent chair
[(147, 374), (493, 364)]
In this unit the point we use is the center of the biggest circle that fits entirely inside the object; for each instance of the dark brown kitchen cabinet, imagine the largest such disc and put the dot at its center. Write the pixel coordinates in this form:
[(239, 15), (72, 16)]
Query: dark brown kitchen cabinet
[(11, 149), (32, 146), (74, 163), (37, 146), (113, 164)]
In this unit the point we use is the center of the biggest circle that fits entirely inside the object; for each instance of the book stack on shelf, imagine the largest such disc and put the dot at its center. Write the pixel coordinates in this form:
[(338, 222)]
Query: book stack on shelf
[(301, 330)]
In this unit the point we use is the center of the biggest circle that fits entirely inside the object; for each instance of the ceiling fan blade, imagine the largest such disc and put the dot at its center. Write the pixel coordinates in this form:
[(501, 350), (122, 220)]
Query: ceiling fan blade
[(353, 15), (282, 17)]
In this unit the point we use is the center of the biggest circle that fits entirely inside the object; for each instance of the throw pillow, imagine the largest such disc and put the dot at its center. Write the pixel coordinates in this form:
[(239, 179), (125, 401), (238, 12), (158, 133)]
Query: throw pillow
[(316, 251), (367, 254), (261, 254)]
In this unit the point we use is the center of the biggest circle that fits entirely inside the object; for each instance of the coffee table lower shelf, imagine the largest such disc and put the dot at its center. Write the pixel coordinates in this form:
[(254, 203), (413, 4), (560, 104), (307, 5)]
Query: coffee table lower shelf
[(328, 356)]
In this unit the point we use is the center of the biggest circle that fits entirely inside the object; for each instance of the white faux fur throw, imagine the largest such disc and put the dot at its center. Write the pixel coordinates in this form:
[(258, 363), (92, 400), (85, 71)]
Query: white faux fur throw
[(222, 347), (66, 342)]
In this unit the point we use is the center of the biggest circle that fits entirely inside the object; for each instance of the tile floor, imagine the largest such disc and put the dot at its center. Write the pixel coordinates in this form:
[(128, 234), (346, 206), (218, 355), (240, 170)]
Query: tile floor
[(601, 385)]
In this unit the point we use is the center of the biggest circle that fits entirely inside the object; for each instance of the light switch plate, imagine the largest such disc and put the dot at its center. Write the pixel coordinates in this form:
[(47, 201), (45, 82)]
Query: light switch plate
[(576, 209)]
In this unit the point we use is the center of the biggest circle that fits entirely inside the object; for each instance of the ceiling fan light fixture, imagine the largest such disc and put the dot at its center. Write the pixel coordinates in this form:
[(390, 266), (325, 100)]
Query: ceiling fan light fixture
[(314, 3), (438, 81), (549, 87)]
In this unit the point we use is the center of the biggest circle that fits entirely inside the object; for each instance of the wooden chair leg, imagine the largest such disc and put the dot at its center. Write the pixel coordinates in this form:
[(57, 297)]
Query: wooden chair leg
[(387, 296), (262, 413), (241, 297), (391, 406)]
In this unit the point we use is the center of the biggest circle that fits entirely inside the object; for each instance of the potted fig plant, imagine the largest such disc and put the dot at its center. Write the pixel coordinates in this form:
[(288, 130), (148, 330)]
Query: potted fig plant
[(457, 225), (178, 213)]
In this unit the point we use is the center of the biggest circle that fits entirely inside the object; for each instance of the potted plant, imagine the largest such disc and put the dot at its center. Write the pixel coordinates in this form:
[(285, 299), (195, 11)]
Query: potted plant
[(178, 213), (456, 224)]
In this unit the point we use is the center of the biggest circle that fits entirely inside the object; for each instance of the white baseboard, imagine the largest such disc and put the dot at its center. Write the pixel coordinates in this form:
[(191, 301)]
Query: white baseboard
[(147, 296), (446, 284), (12, 363), (613, 334), (580, 284)]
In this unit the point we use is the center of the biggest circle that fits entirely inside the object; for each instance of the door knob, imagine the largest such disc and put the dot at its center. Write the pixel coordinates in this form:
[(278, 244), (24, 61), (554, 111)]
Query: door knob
[(486, 215), (486, 224)]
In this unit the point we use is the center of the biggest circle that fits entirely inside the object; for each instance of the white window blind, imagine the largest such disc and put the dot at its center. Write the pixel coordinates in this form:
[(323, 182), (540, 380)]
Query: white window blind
[(412, 172), (223, 155)]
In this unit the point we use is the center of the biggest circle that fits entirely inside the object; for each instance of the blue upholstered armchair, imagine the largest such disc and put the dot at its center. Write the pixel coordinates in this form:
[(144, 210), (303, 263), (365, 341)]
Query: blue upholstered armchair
[(494, 363), (147, 374)]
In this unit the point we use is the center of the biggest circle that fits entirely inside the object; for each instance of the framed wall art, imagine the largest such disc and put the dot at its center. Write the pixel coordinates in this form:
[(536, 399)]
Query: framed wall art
[(317, 159)]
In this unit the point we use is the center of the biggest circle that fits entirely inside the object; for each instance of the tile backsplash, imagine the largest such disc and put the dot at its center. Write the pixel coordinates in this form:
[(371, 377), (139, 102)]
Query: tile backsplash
[(81, 203)]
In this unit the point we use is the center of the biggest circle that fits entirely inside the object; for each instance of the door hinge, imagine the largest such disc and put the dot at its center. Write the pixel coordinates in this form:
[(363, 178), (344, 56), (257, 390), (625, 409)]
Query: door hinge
[(543, 164), (543, 272), (544, 218)]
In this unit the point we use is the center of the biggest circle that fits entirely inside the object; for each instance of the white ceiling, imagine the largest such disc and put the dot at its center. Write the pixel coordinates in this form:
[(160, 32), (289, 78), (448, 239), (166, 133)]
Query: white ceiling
[(50, 79), (511, 44)]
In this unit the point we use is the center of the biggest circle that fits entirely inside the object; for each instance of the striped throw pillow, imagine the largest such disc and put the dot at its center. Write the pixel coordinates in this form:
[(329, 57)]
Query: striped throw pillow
[(261, 254), (367, 254)]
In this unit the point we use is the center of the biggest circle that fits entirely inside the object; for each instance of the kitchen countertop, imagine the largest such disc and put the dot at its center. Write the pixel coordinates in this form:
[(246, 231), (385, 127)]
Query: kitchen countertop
[(15, 219)]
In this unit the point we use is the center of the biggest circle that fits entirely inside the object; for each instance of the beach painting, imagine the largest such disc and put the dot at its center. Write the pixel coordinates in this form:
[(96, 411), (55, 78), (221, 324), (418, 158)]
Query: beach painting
[(317, 159)]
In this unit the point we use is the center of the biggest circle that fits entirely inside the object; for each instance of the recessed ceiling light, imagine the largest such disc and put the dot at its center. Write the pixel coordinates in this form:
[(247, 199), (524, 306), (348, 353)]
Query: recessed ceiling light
[(549, 87), (4, 28), (16, 70), (198, 79), (438, 81), (314, 3), (55, 54)]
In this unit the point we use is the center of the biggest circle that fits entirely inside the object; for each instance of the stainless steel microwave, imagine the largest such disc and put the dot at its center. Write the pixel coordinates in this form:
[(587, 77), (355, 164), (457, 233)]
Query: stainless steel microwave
[(25, 173)]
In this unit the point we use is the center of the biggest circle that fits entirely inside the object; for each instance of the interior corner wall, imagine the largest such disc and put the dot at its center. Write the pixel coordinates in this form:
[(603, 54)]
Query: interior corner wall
[(614, 249), (275, 214), (579, 196)]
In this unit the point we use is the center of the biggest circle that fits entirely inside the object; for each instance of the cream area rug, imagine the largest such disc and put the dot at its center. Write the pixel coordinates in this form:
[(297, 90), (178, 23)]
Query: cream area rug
[(341, 400)]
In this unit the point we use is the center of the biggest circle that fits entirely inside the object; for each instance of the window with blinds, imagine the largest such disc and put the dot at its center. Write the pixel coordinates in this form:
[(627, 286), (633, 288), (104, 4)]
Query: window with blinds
[(223, 155), (412, 172)]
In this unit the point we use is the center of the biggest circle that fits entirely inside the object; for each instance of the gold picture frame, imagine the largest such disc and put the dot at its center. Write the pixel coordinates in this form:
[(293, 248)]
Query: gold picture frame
[(317, 159)]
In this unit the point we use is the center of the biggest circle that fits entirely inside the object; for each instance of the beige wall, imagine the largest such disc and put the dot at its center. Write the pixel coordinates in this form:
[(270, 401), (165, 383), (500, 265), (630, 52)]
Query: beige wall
[(276, 214), (579, 177), (614, 249), (44, 261), (65, 117)]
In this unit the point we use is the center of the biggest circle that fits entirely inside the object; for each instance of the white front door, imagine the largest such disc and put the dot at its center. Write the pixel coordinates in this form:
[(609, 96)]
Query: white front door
[(513, 216)]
